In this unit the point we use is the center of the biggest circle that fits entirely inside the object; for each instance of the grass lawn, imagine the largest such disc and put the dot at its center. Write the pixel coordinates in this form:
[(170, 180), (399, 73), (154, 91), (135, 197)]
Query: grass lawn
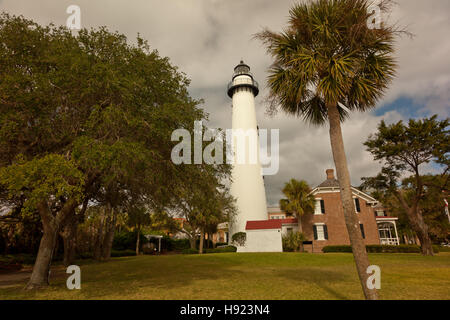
[(288, 276)]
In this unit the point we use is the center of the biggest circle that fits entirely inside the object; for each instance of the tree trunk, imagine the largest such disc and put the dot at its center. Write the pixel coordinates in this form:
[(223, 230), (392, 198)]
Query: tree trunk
[(415, 218), (351, 219), (137, 240), (202, 237), (98, 248), (300, 230), (69, 238), (192, 242), (421, 230), (41, 268), (51, 225), (109, 236)]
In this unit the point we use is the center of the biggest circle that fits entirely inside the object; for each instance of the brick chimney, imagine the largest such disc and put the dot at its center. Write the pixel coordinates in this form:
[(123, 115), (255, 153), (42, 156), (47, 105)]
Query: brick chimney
[(330, 174)]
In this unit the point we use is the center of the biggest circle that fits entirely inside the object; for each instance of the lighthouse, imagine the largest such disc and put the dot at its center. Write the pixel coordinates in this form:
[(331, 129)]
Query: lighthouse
[(247, 180)]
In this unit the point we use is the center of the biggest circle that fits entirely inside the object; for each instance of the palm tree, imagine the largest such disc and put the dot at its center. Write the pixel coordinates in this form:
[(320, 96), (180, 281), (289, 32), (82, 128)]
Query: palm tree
[(328, 62), (299, 201)]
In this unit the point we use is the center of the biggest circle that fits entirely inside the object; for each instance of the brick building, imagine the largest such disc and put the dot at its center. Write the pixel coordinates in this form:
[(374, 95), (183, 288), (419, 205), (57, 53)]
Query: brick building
[(327, 225)]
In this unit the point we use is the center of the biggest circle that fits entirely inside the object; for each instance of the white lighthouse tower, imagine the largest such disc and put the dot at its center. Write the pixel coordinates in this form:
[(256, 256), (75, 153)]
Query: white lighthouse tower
[(247, 180)]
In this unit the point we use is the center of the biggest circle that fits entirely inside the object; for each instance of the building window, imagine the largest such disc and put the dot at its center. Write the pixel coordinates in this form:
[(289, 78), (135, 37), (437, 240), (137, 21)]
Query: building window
[(361, 226), (357, 205), (380, 213), (289, 230), (320, 207), (320, 232)]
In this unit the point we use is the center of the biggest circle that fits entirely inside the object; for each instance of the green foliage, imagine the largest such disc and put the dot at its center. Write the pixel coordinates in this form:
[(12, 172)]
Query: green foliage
[(40, 179), (21, 258), (215, 250), (180, 244), (292, 241), (221, 250), (190, 251), (379, 249), (239, 238), (218, 244), (122, 253), (126, 240), (299, 199)]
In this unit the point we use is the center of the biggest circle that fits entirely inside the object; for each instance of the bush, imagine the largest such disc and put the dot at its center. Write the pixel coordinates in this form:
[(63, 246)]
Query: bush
[(221, 250), (221, 244), (216, 250), (179, 244), (126, 240), (122, 253), (20, 258), (189, 251), (207, 243), (239, 238), (292, 240), (379, 249), (443, 249)]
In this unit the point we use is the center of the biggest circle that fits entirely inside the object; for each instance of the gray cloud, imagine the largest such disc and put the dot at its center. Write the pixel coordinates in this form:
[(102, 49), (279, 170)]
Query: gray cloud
[(206, 39)]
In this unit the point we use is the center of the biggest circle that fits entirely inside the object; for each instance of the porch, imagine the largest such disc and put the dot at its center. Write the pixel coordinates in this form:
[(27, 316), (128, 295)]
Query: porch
[(387, 230)]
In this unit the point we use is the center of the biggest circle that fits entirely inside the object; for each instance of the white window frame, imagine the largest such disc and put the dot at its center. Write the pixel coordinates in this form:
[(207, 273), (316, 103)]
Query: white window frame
[(323, 231), (317, 207)]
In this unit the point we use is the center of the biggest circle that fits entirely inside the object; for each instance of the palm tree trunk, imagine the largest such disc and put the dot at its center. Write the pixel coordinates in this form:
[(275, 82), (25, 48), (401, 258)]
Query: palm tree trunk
[(351, 220), (300, 230)]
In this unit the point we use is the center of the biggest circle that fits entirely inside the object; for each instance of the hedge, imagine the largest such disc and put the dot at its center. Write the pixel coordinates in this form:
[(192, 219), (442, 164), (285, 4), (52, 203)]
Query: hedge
[(122, 253), (216, 250), (379, 249)]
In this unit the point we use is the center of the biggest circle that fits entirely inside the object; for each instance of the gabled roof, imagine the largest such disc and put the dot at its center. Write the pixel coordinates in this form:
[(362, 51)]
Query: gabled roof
[(332, 184), (329, 183)]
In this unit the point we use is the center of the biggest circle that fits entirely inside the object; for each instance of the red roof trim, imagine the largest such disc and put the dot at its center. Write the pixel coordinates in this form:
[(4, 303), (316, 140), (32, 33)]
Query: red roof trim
[(269, 224), (289, 221), (263, 224)]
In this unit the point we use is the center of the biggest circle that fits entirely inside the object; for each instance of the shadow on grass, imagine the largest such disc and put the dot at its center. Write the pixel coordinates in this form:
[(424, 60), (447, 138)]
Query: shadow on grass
[(321, 278)]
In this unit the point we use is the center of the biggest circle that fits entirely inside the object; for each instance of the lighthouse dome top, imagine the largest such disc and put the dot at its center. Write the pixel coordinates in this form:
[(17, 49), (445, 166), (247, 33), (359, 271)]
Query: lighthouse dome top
[(242, 69)]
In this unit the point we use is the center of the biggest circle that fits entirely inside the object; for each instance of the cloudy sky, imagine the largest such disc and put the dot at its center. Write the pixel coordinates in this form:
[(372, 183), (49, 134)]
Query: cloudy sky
[(207, 38)]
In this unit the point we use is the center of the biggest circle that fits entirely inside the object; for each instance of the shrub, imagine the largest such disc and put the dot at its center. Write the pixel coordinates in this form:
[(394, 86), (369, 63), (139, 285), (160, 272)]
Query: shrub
[(379, 249), (122, 253), (216, 250), (292, 240), (20, 258), (126, 240), (221, 244), (239, 238), (443, 249), (207, 243), (222, 250), (189, 251), (179, 244)]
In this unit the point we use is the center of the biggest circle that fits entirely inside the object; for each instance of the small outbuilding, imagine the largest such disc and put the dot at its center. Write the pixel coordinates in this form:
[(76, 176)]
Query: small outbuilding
[(263, 236)]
